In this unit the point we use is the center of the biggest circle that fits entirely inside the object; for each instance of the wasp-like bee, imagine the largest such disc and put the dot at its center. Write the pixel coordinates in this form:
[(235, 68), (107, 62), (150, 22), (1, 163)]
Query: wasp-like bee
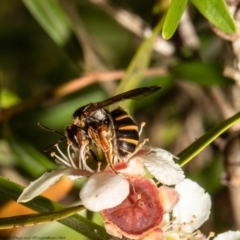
[(115, 132), (94, 122)]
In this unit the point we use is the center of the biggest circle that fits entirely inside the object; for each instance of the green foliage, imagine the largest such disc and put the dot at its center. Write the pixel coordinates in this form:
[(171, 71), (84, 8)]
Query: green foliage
[(52, 18), (204, 74), (9, 98), (30, 74), (31, 160), (173, 17), (41, 204), (138, 65), (217, 13), (191, 151)]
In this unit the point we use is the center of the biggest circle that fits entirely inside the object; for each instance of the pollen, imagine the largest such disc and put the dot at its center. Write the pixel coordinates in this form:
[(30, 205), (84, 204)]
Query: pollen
[(141, 204), (211, 234), (174, 228)]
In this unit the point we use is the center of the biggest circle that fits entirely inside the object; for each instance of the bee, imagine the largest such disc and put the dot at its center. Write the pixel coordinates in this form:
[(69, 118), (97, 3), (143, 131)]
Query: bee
[(94, 122)]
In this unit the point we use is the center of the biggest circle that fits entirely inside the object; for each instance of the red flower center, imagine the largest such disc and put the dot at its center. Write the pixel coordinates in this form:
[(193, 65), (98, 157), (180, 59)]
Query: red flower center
[(140, 212)]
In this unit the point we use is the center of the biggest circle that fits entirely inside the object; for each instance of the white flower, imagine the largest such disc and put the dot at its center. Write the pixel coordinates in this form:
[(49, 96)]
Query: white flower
[(191, 211), (195, 202), (43, 183), (99, 193), (104, 188), (96, 192), (230, 235), (160, 163)]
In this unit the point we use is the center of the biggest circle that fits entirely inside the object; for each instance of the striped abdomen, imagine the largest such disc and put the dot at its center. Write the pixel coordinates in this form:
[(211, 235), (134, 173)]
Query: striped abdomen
[(126, 136)]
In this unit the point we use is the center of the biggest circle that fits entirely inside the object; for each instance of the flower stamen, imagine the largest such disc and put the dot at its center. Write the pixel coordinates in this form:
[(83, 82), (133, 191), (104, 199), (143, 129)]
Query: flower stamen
[(211, 235), (68, 160), (175, 228), (99, 166), (141, 128), (137, 149), (83, 158), (70, 157), (83, 151), (64, 160)]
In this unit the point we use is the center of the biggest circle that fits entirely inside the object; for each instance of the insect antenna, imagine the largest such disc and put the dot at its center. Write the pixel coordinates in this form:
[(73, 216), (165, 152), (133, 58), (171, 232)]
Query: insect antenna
[(63, 137)]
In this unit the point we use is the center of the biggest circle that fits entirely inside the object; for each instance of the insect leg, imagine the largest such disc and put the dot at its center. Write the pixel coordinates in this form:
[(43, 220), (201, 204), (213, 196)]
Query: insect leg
[(54, 131), (106, 146), (94, 155)]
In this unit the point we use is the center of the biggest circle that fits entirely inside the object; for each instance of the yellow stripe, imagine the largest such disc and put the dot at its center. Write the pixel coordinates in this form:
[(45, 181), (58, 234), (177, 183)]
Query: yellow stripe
[(121, 117), (129, 127), (128, 140)]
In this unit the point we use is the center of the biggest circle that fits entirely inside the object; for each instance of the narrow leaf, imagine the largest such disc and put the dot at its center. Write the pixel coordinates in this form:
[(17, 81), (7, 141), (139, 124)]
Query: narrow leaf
[(41, 204), (187, 154), (173, 17), (138, 65), (217, 13), (52, 18), (38, 218)]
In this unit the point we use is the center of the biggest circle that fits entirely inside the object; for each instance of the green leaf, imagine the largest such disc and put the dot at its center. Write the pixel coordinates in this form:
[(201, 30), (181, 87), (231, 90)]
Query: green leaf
[(173, 17), (52, 18), (41, 204), (8, 98), (205, 74), (38, 218), (217, 13), (30, 159), (138, 65), (187, 154)]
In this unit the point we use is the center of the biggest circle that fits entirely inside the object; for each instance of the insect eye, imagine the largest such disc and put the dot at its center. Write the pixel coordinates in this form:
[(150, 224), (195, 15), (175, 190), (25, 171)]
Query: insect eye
[(72, 133)]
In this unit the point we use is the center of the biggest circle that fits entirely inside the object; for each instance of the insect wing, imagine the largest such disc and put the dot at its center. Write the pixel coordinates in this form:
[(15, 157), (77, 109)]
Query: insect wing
[(135, 94)]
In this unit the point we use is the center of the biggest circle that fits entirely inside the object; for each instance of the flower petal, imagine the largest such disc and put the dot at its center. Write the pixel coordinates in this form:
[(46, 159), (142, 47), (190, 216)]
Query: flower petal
[(169, 197), (161, 165), (194, 205), (135, 168), (230, 235), (112, 230), (104, 190), (41, 184), (157, 234), (140, 213)]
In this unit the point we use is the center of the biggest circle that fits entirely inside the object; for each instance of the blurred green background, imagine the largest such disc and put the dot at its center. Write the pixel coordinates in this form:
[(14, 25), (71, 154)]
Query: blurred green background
[(89, 38)]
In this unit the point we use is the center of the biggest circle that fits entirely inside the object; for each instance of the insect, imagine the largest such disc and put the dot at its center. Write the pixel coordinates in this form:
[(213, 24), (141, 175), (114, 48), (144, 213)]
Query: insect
[(94, 122)]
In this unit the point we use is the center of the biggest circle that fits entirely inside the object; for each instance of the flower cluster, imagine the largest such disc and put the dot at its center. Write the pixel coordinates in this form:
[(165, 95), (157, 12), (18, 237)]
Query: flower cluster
[(104, 188), (131, 204)]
